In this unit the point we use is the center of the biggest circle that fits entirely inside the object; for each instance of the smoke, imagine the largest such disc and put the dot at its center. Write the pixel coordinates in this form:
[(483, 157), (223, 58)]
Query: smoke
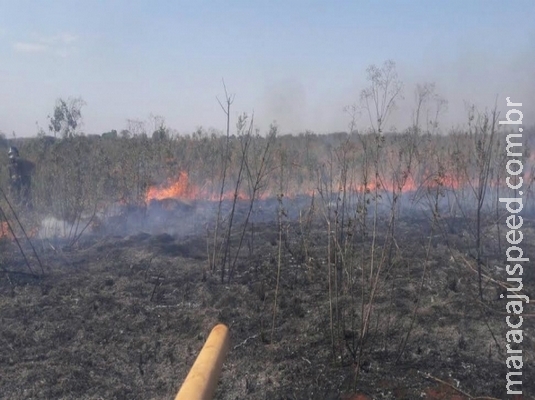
[(285, 101), (483, 78), (469, 74), (53, 228)]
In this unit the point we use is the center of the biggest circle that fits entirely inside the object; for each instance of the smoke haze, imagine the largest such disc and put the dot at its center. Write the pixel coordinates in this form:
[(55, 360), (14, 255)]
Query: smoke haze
[(298, 66)]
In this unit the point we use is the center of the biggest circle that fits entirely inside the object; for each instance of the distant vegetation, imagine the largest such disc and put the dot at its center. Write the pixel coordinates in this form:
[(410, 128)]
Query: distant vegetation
[(85, 170), (365, 195)]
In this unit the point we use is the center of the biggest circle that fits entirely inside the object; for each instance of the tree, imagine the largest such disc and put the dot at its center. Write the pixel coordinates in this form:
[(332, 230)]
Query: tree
[(379, 99), (111, 134), (482, 130), (136, 128), (159, 130), (441, 104), (229, 99), (3, 140), (125, 134), (160, 134), (422, 94), (67, 117)]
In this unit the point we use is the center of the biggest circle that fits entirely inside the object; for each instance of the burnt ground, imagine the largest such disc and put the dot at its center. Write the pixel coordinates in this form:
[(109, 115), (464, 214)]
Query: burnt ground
[(124, 316)]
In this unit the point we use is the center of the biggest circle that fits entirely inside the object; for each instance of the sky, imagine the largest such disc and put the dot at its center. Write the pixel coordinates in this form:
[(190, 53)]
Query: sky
[(296, 63)]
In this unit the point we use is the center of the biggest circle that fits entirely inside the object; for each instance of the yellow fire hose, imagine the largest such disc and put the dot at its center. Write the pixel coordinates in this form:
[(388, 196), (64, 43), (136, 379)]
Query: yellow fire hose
[(201, 382)]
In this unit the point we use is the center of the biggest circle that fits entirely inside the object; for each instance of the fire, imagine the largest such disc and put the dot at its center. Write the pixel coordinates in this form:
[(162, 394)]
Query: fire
[(406, 185), (178, 189), (4, 230), (183, 189), (6, 233)]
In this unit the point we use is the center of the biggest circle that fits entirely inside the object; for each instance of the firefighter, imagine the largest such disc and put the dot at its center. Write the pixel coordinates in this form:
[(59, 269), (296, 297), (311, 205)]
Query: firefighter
[(20, 180)]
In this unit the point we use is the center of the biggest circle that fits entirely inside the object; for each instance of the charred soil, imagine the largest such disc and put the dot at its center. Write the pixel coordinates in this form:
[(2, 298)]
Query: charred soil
[(124, 317)]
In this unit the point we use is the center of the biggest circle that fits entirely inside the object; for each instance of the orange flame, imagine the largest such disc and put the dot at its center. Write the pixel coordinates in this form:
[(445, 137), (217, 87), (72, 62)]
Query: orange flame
[(6, 233), (4, 230), (178, 189), (182, 189)]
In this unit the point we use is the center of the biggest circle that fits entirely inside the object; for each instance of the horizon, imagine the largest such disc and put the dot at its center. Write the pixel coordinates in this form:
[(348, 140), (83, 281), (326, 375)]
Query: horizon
[(297, 64)]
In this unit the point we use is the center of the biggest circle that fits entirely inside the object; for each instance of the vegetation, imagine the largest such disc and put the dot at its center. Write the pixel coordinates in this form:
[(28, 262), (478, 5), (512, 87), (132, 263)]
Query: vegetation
[(362, 196)]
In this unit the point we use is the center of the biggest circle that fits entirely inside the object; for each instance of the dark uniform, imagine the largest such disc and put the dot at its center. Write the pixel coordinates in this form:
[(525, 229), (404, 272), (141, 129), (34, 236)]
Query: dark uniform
[(20, 180)]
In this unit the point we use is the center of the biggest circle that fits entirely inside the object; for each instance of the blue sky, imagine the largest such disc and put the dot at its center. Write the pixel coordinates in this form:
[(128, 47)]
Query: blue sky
[(296, 62)]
